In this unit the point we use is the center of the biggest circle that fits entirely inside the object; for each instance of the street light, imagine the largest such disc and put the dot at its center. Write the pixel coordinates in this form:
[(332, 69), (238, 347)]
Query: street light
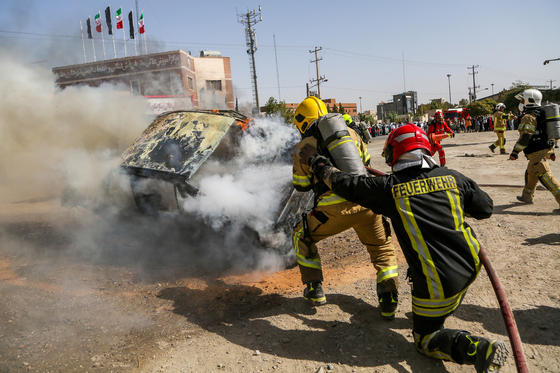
[(492, 89), (360, 105), (449, 81)]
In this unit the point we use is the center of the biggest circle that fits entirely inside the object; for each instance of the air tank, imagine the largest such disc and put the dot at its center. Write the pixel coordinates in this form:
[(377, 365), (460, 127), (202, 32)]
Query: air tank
[(552, 121), (340, 145)]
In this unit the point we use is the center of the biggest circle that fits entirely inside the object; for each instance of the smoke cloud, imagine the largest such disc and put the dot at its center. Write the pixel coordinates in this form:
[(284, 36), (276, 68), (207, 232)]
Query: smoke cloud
[(73, 138)]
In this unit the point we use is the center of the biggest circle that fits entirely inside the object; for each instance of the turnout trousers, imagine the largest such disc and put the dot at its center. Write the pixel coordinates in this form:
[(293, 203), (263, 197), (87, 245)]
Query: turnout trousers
[(373, 231), (436, 147), (538, 169), (501, 142)]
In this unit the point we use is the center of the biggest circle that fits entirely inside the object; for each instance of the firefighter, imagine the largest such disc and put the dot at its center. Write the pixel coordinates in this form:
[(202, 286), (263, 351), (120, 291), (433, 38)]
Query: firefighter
[(500, 127), (360, 131), (438, 127), (427, 206), (333, 214), (533, 141)]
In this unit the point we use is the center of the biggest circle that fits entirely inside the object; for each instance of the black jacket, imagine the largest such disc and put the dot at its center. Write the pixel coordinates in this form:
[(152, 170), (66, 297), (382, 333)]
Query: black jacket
[(427, 208)]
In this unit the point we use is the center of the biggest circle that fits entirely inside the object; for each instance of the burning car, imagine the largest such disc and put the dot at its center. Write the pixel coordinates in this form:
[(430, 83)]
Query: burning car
[(166, 168)]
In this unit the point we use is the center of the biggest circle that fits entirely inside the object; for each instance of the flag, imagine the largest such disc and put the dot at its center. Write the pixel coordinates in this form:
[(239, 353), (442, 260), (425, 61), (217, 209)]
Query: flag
[(98, 22), (119, 18), (131, 23), (141, 23), (89, 35), (108, 20)]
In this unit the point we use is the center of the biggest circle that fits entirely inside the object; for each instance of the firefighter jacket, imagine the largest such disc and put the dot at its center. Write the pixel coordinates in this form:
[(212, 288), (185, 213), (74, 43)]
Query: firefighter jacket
[(305, 180), (500, 120), (532, 133), (438, 128), (427, 208)]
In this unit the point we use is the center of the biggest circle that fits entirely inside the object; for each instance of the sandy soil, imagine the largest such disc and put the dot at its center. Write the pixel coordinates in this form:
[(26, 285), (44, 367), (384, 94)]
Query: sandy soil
[(78, 295)]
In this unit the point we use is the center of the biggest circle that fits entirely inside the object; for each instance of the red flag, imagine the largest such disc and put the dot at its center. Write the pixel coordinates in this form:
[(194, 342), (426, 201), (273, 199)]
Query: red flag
[(141, 23), (98, 22), (119, 18)]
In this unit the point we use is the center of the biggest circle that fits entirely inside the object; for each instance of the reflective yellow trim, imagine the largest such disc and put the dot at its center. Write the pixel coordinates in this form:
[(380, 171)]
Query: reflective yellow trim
[(332, 199), (387, 273), (457, 211), (302, 260), (417, 240), (342, 140), (436, 308), (426, 351), (301, 180)]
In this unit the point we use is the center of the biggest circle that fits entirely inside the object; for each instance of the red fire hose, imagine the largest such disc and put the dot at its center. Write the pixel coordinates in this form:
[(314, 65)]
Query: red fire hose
[(509, 320)]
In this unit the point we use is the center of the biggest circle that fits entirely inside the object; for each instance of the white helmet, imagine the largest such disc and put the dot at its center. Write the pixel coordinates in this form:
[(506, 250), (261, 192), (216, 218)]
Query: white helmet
[(532, 97), (500, 106)]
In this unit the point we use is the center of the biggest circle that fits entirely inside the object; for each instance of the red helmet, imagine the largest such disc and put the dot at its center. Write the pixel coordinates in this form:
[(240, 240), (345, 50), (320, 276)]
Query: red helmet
[(438, 114), (404, 139)]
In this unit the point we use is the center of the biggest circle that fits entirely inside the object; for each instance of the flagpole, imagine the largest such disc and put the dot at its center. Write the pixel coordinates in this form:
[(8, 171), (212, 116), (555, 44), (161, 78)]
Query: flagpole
[(102, 38), (113, 34), (123, 32), (83, 42), (92, 43), (131, 22), (145, 45)]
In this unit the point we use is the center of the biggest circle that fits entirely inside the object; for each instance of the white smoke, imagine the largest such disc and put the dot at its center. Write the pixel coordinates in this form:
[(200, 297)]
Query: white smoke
[(47, 132)]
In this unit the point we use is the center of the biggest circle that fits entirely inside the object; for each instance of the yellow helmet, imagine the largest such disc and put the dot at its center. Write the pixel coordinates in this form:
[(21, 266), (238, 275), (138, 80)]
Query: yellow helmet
[(347, 118), (308, 111)]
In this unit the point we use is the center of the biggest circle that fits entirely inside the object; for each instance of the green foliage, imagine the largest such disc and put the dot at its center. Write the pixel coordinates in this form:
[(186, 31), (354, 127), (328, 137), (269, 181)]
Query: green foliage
[(369, 119), (392, 116), (464, 102), (435, 105), (341, 109), (274, 107), (484, 107)]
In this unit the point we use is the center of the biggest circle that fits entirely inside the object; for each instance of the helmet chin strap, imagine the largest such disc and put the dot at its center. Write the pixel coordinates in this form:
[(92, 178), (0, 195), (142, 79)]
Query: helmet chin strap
[(416, 157)]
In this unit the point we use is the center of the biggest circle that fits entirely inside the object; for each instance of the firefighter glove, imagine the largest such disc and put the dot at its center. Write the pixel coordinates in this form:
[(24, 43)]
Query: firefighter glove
[(306, 153)]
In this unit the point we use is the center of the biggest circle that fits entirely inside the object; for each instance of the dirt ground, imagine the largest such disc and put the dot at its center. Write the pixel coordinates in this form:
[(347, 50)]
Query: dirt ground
[(75, 302)]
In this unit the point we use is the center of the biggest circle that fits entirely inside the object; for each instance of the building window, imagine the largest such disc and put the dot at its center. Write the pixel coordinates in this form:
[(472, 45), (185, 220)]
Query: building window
[(190, 83), (214, 85), (135, 87)]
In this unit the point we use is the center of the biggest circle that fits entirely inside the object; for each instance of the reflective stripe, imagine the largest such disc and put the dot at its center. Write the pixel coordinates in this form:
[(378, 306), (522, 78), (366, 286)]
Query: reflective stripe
[(457, 212), (332, 199), (301, 180), (549, 184), (387, 273), (435, 353), (529, 191), (417, 240), (342, 140), (436, 308), (302, 260), (404, 136)]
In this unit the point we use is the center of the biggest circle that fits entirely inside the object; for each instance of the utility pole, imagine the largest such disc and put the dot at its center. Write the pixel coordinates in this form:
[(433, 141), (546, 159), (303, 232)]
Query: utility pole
[(473, 80), (319, 78), (249, 19), (449, 82), (551, 83)]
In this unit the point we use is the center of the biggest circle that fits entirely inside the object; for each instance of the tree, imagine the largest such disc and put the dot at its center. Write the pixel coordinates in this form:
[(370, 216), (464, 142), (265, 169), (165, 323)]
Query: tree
[(484, 107), (274, 107), (392, 116), (341, 109), (464, 102), (271, 106), (435, 105)]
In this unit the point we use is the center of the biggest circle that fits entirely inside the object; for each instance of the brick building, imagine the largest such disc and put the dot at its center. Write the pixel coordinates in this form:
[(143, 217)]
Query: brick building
[(349, 108), (168, 80)]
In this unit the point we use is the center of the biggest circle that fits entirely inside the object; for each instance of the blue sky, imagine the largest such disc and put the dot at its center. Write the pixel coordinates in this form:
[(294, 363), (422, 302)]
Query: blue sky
[(364, 43)]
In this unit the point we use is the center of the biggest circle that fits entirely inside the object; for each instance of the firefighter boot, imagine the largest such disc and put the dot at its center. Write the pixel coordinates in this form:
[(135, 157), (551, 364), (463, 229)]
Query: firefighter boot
[(486, 355), (525, 199), (502, 151), (492, 147), (389, 304), (314, 291)]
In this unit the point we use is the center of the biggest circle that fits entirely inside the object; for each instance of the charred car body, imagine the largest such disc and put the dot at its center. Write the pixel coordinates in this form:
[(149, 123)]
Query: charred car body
[(163, 163)]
